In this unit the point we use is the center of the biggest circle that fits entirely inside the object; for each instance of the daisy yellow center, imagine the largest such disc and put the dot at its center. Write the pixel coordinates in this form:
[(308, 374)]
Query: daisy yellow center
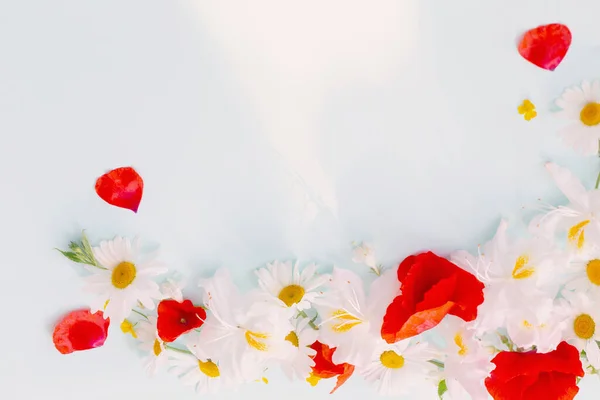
[(157, 348), (392, 360), (584, 326), (292, 337), (527, 324), (593, 271), (256, 340), (291, 294), (590, 114), (209, 368), (344, 321), (577, 233), (522, 269), (459, 341), (123, 275)]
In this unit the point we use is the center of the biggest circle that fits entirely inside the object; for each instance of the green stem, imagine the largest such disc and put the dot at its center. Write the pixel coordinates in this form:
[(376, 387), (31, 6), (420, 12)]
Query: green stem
[(598, 181), (310, 322), (437, 363), (137, 312), (176, 349)]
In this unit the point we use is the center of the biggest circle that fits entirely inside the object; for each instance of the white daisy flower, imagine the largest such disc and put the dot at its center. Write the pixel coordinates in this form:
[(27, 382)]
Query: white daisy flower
[(299, 362), (243, 342), (467, 362), (579, 219), (582, 106), (204, 376), (349, 319), (398, 368), (152, 345), (582, 324), (585, 272), (125, 280), (515, 274), (286, 287)]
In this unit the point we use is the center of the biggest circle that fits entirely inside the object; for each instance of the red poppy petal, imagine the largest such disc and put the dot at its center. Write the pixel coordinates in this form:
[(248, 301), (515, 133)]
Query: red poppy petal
[(552, 386), (344, 376), (122, 187), (419, 322), (80, 330), (175, 318), (439, 294), (546, 46)]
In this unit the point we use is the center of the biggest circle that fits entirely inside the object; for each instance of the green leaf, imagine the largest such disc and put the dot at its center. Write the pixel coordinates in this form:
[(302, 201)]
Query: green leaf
[(70, 255), (81, 253), (442, 388)]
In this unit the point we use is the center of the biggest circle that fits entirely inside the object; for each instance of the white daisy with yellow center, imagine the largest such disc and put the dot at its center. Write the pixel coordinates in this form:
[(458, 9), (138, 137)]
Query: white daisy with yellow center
[(578, 220), (350, 318), (151, 345), (399, 368), (584, 271), (203, 375), (581, 105), (243, 341), (298, 362), (285, 286), (582, 327), (124, 280)]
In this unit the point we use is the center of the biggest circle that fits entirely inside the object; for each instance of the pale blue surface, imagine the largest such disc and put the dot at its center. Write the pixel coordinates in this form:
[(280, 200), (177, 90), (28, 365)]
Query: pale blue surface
[(401, 116)]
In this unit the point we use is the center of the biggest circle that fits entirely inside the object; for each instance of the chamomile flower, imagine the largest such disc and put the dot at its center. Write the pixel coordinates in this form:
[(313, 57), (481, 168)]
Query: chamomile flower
[(299, 362), (243, 342), (124, 279), (582, 325), (585, 272), (284, 286), (349, 318), (203, 375), (151, 345), (579, 219), (581, 105), (396, 369)]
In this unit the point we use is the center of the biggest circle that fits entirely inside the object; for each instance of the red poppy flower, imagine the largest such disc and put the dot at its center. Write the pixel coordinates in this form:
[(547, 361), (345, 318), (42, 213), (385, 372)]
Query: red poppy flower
[(531, 375), (324, 367), (80, 330), (431, 288), (175, 318)]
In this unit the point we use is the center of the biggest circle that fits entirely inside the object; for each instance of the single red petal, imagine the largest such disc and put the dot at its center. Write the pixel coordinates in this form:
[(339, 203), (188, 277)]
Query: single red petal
[(175, 318), (80, 330), (344, 376), (122, 187), (546, 46), (324, 367)]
